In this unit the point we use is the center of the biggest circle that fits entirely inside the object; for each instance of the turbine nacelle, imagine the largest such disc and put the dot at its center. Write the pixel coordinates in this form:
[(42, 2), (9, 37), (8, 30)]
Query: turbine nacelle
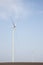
[(14, 25)]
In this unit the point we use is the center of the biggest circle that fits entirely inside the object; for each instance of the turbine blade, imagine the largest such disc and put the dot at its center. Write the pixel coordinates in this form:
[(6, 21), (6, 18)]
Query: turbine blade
[(12, 21)]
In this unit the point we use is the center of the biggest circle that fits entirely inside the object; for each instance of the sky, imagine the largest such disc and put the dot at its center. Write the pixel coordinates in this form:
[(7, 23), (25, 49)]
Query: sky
[(28, 37)]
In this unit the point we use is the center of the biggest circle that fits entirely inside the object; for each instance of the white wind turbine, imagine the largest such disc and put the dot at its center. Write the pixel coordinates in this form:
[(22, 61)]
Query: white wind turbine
[(13, 30)]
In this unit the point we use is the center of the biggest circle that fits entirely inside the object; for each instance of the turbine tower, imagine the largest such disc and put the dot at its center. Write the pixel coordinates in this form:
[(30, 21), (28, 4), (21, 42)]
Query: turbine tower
[(13, 30)]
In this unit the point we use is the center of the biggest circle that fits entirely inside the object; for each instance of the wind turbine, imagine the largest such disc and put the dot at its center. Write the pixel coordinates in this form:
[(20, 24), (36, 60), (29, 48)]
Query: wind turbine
[(13, 30)]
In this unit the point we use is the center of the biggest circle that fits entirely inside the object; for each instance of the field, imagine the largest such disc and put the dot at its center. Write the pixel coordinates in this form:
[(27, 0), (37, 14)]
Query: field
[(21, 63)]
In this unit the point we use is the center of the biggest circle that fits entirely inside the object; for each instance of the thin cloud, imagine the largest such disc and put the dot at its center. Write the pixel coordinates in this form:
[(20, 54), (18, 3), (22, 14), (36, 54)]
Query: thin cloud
[(13, 6), (3, 15)]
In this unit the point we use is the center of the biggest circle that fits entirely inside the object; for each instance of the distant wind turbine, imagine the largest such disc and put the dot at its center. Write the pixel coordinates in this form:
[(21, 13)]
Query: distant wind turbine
[(13, 30)]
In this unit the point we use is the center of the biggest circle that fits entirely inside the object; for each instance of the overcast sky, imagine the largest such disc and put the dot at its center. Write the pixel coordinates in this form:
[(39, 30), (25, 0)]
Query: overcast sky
[(28, 37)]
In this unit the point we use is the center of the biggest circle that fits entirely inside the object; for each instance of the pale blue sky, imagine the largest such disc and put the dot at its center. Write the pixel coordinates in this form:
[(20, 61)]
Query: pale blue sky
[(28, 16)]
